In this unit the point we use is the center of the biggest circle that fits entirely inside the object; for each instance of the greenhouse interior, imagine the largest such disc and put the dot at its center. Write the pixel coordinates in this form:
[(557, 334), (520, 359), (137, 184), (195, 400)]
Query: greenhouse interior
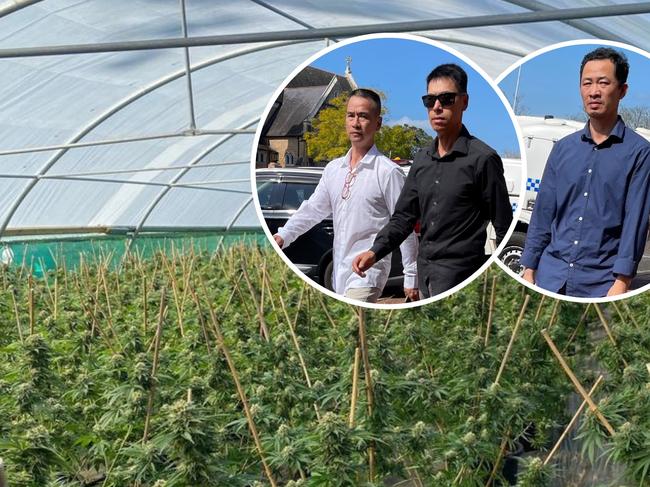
[(151, 336)]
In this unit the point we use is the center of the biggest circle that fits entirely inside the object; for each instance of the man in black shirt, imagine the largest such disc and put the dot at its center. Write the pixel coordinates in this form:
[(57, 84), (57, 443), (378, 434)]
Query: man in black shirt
[(454, 188)]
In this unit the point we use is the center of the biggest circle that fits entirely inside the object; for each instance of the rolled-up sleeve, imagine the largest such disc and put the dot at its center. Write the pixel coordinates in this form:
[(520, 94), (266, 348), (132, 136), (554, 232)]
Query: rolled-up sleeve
[(539, 230), (635, 223)]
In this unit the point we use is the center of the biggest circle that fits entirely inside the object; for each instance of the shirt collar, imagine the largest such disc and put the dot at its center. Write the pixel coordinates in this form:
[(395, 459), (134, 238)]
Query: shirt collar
[(617, 134), (373, 152), (461, 146)]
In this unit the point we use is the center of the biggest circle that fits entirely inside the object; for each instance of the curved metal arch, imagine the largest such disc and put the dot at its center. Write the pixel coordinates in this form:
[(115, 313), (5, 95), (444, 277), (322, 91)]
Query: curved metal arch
[(181, 173), (579, 24), (123, 104), (239, 212)]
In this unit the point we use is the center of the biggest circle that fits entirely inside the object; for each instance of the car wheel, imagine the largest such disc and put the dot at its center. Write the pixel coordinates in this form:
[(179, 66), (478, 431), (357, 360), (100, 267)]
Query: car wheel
[(326, 280), (511, 255)]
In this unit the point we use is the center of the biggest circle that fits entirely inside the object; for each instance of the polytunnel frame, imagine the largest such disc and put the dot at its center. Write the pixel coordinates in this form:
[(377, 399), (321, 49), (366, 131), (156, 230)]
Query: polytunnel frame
[(540, 13)]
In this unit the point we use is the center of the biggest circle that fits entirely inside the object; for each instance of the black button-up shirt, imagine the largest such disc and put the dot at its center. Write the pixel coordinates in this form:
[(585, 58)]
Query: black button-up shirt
[(454, 197)]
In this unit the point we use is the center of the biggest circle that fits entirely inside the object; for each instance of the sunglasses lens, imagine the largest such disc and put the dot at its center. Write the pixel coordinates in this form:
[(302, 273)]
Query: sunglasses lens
[(446, 99)]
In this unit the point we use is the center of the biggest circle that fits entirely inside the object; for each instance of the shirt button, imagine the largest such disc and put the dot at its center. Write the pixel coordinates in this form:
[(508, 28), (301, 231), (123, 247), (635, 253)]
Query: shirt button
[(571, 264), (575, 242), (585, 194), (579, 219), (437, 182), (589, 171), (435, 203)]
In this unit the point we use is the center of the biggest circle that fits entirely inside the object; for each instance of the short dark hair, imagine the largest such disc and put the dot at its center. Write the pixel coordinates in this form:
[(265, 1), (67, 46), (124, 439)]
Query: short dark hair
[(368, 94), (451, 71), (618, 58)]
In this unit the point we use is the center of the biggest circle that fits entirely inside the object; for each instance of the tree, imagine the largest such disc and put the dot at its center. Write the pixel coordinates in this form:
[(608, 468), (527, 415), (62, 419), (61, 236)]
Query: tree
[(328, 139), (633, 116), (401, 141)]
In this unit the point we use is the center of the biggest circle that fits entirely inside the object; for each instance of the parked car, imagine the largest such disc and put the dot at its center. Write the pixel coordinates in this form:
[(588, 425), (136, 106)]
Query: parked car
[(281, 192)]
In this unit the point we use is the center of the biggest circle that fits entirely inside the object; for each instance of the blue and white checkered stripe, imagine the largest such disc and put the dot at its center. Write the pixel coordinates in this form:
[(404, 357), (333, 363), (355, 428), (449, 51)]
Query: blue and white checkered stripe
[(533, 184)]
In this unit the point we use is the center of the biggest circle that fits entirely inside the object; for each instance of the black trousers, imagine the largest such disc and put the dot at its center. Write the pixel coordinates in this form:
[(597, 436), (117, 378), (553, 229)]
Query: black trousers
[(437, 276)]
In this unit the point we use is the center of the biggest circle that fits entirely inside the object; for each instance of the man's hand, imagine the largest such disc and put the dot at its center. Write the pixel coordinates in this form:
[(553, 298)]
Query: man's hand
[(278, 240), (529, 275), (621, 285), (363, 262), (412, 294)]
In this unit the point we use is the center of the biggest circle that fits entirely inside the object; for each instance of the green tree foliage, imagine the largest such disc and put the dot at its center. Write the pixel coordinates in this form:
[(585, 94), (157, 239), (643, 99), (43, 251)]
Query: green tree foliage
[(328, 139)]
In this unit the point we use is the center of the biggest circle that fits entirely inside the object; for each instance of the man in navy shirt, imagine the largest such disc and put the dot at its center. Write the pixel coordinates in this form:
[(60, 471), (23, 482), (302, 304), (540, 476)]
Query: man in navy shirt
[(590, 220)]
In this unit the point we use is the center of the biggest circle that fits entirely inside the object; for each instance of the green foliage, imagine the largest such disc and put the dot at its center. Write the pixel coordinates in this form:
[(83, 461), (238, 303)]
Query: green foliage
[(79, 389), (328, 139)]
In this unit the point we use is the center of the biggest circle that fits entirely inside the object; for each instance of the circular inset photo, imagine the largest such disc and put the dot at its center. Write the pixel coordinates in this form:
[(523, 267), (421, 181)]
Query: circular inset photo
[(584, 113), (387, 170)]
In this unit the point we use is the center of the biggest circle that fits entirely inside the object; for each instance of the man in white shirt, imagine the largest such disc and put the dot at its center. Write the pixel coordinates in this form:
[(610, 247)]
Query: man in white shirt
[(360, 191)]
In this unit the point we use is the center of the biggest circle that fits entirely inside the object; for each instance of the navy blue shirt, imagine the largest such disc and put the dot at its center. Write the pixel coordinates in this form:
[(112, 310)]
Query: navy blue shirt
[(590, 219)]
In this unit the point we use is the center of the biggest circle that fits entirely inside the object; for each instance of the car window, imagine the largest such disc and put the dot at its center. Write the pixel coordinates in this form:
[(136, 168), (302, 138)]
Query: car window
[(270, 194), (296, 193)]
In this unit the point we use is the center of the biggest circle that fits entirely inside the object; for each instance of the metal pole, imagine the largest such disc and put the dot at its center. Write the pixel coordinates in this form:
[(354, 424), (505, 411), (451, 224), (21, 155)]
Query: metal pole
[(188, 71), (334, 32), (121, 140), (514, 102)]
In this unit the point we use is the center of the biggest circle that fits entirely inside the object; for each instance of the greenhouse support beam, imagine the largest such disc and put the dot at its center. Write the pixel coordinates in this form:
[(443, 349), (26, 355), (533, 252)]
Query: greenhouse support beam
[(333, 32), (116, 230), (239, 211), (123, 104), (124, 140), (167, 186), (147, 169), (195, 161), (188, 70), (282, 13), (579, 24), (14, 5)]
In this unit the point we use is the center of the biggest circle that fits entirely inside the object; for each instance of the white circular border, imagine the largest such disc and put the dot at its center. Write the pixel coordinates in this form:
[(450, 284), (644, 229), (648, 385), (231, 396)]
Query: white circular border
[(486, 78), (499, 79)]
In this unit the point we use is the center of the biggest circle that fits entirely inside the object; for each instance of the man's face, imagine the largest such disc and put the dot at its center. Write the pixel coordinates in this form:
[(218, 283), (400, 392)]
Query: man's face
[(447, 119), (600, 90), (362, 121)]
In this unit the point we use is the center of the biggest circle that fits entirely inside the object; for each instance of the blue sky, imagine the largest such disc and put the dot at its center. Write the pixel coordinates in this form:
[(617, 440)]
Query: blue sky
[(548, 83), (399, 67)]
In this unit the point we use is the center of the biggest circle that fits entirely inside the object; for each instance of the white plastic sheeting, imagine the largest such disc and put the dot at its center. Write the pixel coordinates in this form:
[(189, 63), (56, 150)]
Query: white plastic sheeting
[(56, 100)]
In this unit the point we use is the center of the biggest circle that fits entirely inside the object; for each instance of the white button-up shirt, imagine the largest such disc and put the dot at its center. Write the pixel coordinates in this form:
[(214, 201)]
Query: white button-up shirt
[(357, 219)]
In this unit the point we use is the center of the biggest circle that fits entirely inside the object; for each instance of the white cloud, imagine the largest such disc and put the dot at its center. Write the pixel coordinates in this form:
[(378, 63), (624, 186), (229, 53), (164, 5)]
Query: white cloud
[(423, 124)]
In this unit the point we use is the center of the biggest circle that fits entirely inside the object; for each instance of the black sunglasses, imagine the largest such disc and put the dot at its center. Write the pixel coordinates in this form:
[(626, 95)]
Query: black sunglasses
[(446, 99)]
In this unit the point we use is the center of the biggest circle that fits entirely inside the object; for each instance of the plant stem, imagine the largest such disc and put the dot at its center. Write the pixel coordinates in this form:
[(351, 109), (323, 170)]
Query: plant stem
[(30, 299), (490, 310), (512, 339), (502, 451), (577, 384), (539, 307), (156, 354), (355, 386), (260, 312), (20, 330), (363, 341), (609, 332), (296, 344), (324, 306), (233, 372), (572, 422)]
